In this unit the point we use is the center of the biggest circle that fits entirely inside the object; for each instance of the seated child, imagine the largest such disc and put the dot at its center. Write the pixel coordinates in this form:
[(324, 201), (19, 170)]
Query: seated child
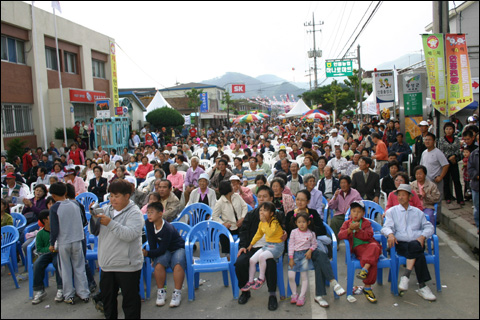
[(358, 231), (167, 249), (270, 227), (45, 258)]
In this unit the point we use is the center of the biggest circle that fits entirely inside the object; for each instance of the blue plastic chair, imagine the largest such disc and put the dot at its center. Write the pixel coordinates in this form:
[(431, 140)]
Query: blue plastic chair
[(30, 228), (333, 262), (256, 200), (86, 199), (249, 208), (19, 222), (196, 213), (207, 233), (50, 268), (183, 229), (383, 261), (92, 253), (435, 218), (326, 210), (372, 209), (9, 241)]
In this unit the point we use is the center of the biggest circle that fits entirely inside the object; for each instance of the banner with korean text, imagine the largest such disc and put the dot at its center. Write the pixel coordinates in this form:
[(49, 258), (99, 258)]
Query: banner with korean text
[(433, 44), (384, 86), (458, 73), (113, 62)]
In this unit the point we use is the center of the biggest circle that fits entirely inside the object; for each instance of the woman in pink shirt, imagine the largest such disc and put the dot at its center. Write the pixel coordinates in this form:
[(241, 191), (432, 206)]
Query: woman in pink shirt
[(402, 178), (142, 170), (177, 180)]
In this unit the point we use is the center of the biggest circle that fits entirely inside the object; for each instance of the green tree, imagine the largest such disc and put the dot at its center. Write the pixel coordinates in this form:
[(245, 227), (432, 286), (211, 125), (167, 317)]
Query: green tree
[(194, 102), (16, 147), (352, 82), (227, 99), (336, 93), (165, 117)]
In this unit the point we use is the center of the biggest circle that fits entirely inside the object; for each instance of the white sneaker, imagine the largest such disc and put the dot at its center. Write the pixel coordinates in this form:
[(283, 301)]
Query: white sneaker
[(161, 295), (403, 285), (176, 299), (38, 296), (426, 294), (59, 296), (322, 302)]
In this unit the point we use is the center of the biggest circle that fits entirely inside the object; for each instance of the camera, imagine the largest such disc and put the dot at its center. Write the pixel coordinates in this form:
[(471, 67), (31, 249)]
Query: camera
[(96, 209)]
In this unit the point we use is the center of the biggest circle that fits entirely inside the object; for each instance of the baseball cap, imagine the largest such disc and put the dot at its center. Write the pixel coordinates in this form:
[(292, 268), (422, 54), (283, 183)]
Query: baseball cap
[(337, 144), (70, 171), (423, 123), (334, 131), (130, 179), (204, 176), (169, 145), (10, 175), (357, 204), (282, 147), (234, 177), (404, 187)]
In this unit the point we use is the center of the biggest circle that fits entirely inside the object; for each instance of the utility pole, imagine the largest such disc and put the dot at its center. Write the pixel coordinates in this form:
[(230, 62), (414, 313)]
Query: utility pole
[(314, 53), (309, 75)]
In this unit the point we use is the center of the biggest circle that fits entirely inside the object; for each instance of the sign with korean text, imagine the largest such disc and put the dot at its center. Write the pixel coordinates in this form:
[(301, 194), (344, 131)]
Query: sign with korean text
[(433, 45), (204, 98), (113, 61), (238, 88), (103, 108), (459, 80), (412, 94), (384, 86), (86, 96), (338, 68)]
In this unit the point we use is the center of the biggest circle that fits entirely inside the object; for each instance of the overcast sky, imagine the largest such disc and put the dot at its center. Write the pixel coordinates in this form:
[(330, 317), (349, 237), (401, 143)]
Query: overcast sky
[(194, 41)]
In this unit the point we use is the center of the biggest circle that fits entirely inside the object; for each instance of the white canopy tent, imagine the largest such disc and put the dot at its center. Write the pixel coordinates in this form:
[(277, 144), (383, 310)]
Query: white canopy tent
[(299, 110), (369, 106), (157, 102)]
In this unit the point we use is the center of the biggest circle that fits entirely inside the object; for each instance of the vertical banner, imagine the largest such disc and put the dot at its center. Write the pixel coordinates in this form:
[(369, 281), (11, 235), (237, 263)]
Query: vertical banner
[(204, 106), (433, 45), (412, 94), (113, 67), (459, 80), (412, 129), (384, 86)]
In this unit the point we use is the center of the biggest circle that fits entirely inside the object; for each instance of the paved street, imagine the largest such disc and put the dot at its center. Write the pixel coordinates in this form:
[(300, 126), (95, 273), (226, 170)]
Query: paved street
[(458, 299)]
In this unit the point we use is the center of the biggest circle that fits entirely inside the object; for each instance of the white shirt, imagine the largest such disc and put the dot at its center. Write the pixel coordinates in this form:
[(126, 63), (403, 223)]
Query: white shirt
[(406, 225), (116, 213), (328, 185), (150, 157), (336, 163), (115, 158), (21, 193), (155, 227)]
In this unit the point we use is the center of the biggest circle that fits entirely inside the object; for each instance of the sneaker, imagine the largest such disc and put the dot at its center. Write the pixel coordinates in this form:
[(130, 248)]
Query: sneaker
[(294, 298), (339, 290), (176, 299), (38, 296), (301, 302), (59, 296), (369, 295), (258, 284), (70, 301), (86, 300), (161, 295), (426, 294), (248, 286), (403, 285), (322, 302), (362, 275)]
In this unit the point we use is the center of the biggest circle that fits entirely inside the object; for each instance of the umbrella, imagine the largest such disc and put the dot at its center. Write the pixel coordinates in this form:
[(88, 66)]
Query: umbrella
[(314, 116), (262, 115), (320, 111), (247, 118)]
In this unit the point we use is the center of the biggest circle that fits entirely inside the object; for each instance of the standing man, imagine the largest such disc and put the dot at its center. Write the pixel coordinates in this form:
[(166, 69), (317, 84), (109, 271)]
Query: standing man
[(91, 134), (419, 146), (381, 152)]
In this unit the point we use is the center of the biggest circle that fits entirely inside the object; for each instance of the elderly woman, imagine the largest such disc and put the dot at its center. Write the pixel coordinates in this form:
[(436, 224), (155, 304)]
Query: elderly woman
[(316, 196), (142, 170), (176, 178), (230, 210), (426, 190), (203, 194), (283, 202), (191, 177), (33, 206), (308, 166), (402, 178)]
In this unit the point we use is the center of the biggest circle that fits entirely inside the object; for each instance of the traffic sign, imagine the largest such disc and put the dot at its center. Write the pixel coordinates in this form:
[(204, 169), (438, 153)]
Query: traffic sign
[(341, 68)]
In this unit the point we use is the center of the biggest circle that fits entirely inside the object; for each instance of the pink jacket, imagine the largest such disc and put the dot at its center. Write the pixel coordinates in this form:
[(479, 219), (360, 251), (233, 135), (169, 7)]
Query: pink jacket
[(79, 185), (414, 201)]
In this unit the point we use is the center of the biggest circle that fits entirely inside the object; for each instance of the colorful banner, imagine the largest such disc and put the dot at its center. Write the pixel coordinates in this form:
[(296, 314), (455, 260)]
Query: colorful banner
[(204, 106), (384, 86), (459, 80), (412, 130), (113, 62), (86, 96), (433, 45), (412, 94)]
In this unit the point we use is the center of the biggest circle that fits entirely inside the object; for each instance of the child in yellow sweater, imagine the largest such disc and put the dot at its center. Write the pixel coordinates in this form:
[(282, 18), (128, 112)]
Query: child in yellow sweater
[(271, 228)]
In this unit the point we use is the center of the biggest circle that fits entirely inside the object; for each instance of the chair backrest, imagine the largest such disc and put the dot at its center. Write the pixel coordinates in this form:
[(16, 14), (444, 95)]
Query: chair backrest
[(86, 199), (9, 237), (182, 228), (249, 208), (256, 200), (17, 208), (196, 213), (32, 186), (207, 234), (206, 163), (19, 220), (371, 209), (378, 235)]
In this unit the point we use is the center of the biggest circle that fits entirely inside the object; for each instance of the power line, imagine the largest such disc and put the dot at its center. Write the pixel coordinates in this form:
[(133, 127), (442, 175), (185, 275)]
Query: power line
[(345, 28), (341, 20)]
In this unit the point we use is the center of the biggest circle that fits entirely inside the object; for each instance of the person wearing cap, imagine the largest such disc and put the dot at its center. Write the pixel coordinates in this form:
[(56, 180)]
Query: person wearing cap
[(244, 192), (381, 152), (401, 148), (77, 182), (407, 228), (12, 188), (359, 232), (334, 137), (202, 194), (419, 145)]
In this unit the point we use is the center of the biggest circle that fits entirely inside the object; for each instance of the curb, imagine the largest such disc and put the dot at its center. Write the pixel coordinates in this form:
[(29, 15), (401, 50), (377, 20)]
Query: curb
[(460, 227)]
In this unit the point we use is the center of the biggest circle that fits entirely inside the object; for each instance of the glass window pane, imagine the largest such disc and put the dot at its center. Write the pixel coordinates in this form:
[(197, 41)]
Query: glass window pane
[(18, 119), (4, 48), (20, 52), (12, 54)]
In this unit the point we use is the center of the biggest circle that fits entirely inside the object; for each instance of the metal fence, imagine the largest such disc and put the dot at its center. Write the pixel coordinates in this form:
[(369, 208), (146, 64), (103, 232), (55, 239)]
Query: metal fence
[(112, 133), (17, 120)]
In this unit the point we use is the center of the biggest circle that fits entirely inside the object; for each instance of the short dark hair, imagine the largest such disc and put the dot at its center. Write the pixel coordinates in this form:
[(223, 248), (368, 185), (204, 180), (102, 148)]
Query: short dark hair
[(449, 124), (404, 176), (376, 135), (429, 134), (282, 175), (260, 177), (43, 187), (346, 178), (70, 191), (468, 133), (157, 206), (279, 181), (43, 169), (114, 151), (99, 168), (223, 161), (120, 186), (394, 163), (225, 187), (307, 144), (367, 160), (400, 134), (168, 181), (266, 188), (58, 189), (306, 193), (42, 215), (254, 158), (420, 167), (392, 154)]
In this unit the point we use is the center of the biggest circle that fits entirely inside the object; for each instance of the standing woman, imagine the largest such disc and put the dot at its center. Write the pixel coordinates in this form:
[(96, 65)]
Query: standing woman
[(450, 146), (76, 155)]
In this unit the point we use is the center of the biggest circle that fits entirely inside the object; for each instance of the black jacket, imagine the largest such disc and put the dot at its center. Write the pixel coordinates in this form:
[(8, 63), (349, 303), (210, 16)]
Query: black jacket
[(335, 185), (99, 191), (368, 190)]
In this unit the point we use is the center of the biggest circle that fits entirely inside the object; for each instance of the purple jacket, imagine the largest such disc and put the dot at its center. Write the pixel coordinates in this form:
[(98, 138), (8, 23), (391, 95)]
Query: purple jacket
[(36, 207), (191, 177), (341, 204)]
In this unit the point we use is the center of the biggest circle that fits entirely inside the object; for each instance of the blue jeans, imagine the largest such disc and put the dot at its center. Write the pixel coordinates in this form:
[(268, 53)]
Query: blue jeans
[(39, 270), (475, 206)]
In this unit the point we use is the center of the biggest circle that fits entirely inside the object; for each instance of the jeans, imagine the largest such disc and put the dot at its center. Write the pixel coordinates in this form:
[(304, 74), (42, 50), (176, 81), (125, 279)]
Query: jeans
[(475, 206), (39, 270)]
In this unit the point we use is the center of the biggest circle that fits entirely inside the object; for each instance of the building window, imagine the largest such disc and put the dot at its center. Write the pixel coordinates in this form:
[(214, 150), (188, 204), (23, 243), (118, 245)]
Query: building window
[(51, 55), (70, 62), (98, 69), (13, 50), (17, 120)]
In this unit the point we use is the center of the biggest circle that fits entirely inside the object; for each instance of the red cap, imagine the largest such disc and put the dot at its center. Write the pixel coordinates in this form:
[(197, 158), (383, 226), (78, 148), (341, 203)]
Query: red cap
[(10, 175), (169, 145)]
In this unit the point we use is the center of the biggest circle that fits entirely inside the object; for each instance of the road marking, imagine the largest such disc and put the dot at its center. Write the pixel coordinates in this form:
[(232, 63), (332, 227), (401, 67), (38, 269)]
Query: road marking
[(456, 248), (317, 311)]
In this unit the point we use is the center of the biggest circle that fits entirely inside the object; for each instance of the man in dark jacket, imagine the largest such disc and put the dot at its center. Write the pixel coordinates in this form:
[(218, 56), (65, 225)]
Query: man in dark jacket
[(367, 182), (324, 184)]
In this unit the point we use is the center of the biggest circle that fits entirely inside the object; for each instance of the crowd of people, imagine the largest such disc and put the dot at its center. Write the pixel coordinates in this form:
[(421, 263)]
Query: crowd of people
[(265, 182)]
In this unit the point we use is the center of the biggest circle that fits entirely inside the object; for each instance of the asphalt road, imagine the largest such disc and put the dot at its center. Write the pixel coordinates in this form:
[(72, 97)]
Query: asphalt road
[(458, 299)]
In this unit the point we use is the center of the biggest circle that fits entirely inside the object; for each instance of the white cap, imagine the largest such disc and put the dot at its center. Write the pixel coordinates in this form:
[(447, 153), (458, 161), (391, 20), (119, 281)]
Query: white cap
[(130, 179), (382, 121), (203, 176), (337, 144), (234, 177), (404, 187), (423, 123), (334, 131)]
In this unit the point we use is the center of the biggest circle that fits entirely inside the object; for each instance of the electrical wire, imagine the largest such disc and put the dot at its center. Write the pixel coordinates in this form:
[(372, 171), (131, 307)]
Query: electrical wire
[(345, 28), (341, 20)]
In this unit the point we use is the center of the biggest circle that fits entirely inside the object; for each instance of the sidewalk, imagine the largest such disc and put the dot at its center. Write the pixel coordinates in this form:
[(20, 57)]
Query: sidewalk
[(460, 221)]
